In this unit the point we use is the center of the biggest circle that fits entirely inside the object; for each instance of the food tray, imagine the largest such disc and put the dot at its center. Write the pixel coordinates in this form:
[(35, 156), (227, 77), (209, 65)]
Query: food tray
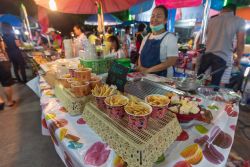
[(72, 104), (145, 87), (139, 148)]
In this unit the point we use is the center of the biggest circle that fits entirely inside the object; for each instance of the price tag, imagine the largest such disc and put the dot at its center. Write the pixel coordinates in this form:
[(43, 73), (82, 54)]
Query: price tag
[(117, 75)]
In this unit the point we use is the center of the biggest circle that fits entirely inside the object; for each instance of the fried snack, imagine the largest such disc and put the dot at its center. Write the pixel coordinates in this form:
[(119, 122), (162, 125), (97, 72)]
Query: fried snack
[(169, 94), (66, 76), (137, 108), (157, 100), (103, 90), (116, 100)]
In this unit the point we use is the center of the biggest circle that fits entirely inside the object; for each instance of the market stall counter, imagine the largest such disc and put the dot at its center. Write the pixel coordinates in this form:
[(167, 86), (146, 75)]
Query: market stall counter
[(205, 133)]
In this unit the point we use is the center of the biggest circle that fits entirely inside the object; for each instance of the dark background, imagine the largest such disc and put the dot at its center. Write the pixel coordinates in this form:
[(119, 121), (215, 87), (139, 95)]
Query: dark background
[(60, 21)]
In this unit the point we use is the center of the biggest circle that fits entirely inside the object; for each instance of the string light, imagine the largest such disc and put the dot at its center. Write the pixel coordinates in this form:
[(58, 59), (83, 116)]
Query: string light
[(52, 5), (225, 3)]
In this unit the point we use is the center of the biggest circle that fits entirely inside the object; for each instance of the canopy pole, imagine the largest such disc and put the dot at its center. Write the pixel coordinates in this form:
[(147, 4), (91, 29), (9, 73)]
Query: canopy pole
[(205, 21)]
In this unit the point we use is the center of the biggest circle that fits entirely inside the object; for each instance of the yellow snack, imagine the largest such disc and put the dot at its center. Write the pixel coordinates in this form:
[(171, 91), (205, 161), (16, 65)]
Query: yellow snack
[(137, 108), (116, 100), (157, 100), (103, 90)]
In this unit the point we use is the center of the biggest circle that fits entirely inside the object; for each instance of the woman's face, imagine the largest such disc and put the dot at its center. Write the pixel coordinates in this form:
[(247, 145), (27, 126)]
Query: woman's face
[(158, 17), (113, 45), (77, 31)]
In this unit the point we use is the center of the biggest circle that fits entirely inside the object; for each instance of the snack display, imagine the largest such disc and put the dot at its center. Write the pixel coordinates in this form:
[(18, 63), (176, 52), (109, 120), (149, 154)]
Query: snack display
[(39, 59), (137, 108), (159, 104), (116, 100), (138, 114), (157, 100), (101, 92), (115, 105), (184, 107)]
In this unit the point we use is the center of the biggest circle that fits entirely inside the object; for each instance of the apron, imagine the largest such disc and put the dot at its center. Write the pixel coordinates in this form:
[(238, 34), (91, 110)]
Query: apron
[(150, 54)]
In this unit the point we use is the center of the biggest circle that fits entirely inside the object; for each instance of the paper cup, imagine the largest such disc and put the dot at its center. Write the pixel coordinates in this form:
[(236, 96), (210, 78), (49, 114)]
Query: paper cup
[(139, 121), (95, 81), (158, 112), (116, 111), (80, 89), (83, 74)]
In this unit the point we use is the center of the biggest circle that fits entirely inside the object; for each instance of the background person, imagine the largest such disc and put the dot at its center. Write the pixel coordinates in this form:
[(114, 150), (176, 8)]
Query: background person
[(127, 41), (221, 31), (5, 77), (159, 49), (81, 42), (55, 37), (115, 47), (14, 53)]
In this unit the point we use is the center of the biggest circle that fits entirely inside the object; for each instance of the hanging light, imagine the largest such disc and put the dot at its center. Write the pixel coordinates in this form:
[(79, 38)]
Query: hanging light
[(52, 5)]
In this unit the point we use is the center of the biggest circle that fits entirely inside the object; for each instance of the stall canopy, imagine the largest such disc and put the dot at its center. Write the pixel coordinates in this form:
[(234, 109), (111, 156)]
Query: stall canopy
[(244, 13), (88, 6), (109, 19), (178, 3), (142, 7), (13, 20), (145, 16)]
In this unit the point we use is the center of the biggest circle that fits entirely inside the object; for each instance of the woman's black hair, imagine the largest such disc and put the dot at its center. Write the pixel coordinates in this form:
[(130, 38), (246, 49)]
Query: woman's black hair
[(230, 6), (78, 26), (116, 40), (165, 10), (141, 27)]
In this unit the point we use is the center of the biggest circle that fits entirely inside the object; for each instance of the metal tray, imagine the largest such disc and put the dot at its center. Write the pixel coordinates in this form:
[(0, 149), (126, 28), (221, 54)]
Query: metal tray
[(144, 87)]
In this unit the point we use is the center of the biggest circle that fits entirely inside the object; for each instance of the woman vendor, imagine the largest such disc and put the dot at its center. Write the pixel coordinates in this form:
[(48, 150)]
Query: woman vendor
[(159, 49)]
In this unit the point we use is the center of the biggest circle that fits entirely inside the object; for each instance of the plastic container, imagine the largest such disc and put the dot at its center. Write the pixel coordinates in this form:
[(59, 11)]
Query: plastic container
[(158, 112), (139, 121), (83, 74), (80, 89), (116, 111), (95, 80)]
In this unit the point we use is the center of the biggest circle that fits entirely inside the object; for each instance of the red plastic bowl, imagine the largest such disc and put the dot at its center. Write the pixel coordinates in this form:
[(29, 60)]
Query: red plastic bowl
[(186, 118)]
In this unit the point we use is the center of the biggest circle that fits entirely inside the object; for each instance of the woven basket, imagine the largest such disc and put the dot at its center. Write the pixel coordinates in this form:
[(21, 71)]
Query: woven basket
[(139, 148), (72, 104)]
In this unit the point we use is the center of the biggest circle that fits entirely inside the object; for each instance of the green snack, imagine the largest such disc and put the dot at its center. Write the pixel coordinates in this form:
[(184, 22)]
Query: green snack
[(201, 129)]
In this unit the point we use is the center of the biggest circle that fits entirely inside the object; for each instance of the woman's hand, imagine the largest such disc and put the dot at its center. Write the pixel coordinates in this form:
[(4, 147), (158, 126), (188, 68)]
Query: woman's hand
[(142, 69)]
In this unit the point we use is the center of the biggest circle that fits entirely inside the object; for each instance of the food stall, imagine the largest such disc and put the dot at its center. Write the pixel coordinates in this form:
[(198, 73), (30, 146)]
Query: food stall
[(151, 123), (99, 114)]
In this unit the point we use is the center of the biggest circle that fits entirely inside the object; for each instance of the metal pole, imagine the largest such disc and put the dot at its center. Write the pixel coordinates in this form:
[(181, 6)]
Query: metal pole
[(205, 20)]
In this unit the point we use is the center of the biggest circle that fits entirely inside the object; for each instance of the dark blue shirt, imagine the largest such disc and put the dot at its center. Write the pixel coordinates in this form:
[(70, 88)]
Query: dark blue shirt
[(10, 42)]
